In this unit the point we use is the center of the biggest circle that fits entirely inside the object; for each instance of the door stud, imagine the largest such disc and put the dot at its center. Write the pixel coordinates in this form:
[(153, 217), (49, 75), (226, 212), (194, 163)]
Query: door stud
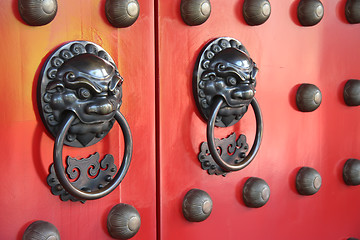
[(197, 205)]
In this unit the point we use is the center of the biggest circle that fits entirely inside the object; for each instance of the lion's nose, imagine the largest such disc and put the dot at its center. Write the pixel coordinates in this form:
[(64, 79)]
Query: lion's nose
[(101, 107), (244, 93)]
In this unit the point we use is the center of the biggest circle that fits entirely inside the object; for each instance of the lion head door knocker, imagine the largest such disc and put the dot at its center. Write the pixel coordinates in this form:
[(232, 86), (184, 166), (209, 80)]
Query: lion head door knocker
[(79, 97), (224, 86)]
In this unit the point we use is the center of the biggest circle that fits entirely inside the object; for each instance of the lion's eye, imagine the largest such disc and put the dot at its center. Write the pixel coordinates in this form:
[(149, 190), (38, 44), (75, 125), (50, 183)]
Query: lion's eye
[(231, 81), (84, 93), (70, 76)]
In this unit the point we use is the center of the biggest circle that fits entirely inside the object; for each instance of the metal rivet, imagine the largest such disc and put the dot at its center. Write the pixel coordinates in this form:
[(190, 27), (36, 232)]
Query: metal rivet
[(58, 187), (197, 205), (351, 172), (352, 92), (308, 97), (123, 221), (310, 12), (308, 181), (256, 192), (195, 12), (122, 13), (37, 13), (108, 178), (40, 230), (352, 11), (207, 164), (256, 12)]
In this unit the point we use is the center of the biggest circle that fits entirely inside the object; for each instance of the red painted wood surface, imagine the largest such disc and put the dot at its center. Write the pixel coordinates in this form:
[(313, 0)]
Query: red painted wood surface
[(287, 55), (26, 148)]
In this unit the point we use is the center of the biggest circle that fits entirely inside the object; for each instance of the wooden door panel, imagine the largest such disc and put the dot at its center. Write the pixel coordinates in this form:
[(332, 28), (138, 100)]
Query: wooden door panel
[(287, 55), (26, 146)]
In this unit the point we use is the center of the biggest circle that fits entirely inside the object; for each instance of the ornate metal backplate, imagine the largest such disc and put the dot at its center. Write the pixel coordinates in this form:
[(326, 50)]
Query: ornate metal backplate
[(80, 77), (224, 69), (231, 150), (88, 174)]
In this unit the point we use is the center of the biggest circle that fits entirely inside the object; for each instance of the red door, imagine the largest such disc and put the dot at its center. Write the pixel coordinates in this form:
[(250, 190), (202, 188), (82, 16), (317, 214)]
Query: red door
[(156, 56), (27, 147), (287, 55)]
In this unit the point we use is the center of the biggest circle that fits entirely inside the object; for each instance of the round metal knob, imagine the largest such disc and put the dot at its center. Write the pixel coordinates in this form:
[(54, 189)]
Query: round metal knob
[(122, 13), (256, 192), (195, 12), (351, 172), (41, 230), (352, 92), (308, 97), (308, 181), (256, 12), (352, 11), (310, 12), (123, 221), (197, 205), (37, 13)]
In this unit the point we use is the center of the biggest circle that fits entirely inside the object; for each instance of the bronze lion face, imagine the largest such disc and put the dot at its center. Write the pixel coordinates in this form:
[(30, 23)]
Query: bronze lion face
[(225, 71), (89, 87), (231, 75)]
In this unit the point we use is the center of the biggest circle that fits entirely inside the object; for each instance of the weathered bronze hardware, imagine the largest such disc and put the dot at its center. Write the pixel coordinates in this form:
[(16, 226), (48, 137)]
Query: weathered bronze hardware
[(308, 181), (310, 12), (352, 92), (37, 13), (256, 192), (122, 13), (352, 11), (197, 205), (308, 97), (195, 12), (40, 230), (123, 221), (256, 12), (79, 97), (351, 172), (224, 86)]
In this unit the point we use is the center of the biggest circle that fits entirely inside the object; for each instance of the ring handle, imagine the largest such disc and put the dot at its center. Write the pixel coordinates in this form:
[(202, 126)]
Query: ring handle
[(211, 141), (60, 171)]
